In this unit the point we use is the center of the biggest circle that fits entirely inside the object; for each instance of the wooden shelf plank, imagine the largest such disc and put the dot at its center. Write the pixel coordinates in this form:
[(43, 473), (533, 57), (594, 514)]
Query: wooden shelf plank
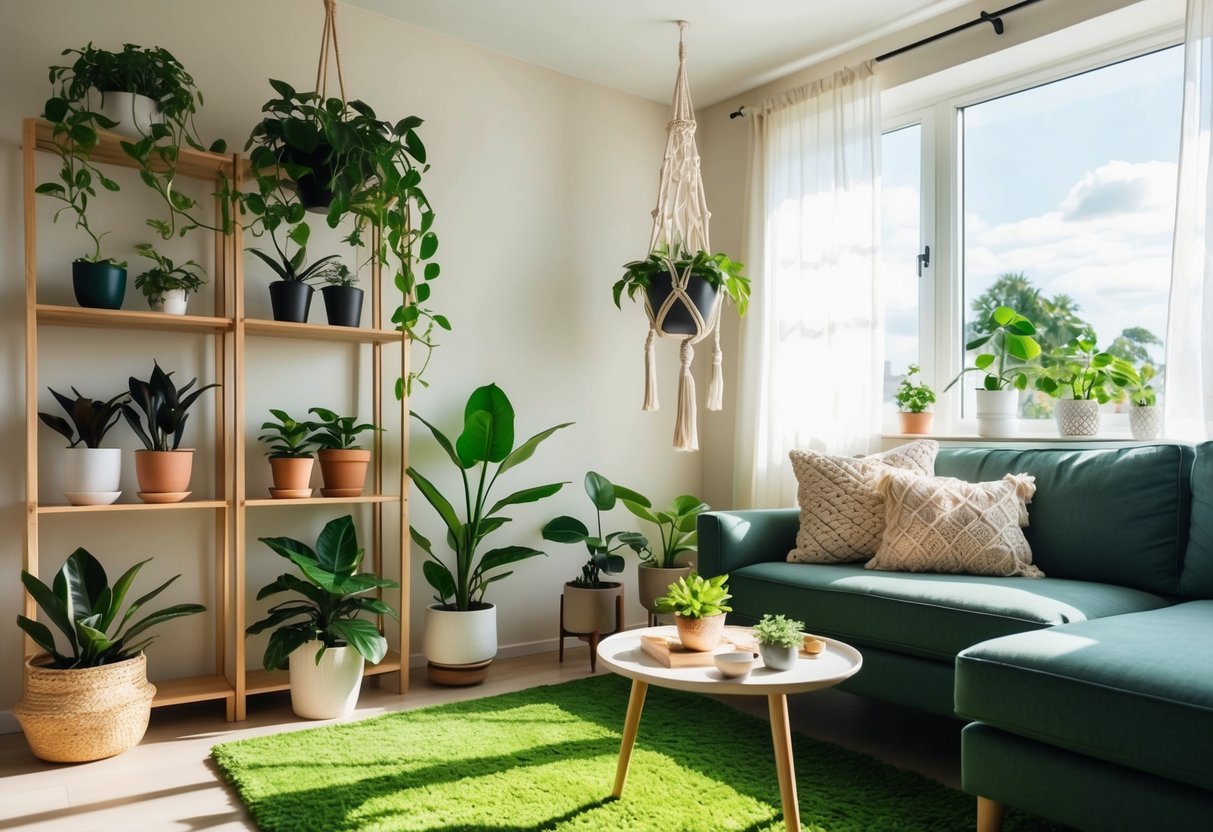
[(269, 681), (195, 164), (320, 332), (191, 689), (323, 501), (126, 319), (185, 504)]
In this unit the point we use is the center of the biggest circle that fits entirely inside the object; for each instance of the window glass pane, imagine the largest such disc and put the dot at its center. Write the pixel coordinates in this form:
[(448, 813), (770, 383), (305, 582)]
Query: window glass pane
[(901, 233), (1069, 204)]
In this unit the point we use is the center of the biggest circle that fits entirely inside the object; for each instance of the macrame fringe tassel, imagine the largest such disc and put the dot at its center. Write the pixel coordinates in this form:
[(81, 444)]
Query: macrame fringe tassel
[(686, 434), (716, 385), (650, 373)]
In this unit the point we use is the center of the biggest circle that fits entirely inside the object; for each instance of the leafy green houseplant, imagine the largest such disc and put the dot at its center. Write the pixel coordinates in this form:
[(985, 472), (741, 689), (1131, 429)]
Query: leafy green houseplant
[(342, 298), (90, 420), (779, 641), (318, 630), (167, 285), (290, 453), (1145, 417), (91, 473), (343, 462), (89, 697), (710, 274), (912, 403), (157, 413), (601, 547), (461, 626), (1009, 348), (1088, 377), (698, 605), (291, 293), (676, 529)]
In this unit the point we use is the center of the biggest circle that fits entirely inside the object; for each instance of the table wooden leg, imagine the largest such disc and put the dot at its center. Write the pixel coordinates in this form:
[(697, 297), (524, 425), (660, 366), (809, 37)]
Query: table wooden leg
[(781, 735), (630, 726)]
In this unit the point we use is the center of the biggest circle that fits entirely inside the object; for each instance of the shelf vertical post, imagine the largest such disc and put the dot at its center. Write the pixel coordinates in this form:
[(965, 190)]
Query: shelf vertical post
[(239, 480), (29, 176)]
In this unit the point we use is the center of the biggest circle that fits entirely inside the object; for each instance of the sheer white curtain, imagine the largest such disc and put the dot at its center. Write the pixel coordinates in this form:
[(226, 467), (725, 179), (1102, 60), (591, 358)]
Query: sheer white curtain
[(1188, 393), (811, 350)]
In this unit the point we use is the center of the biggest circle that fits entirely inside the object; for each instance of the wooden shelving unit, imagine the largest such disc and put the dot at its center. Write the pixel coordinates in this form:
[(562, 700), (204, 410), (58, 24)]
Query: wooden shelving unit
[(229, 330)]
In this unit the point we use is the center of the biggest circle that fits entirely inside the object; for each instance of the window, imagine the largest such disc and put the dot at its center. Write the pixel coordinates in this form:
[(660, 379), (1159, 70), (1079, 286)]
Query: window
[(900, 244)]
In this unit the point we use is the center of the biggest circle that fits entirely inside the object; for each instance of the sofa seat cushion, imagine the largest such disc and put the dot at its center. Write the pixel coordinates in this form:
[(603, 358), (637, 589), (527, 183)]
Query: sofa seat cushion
[(935, 616), (1135, 689)]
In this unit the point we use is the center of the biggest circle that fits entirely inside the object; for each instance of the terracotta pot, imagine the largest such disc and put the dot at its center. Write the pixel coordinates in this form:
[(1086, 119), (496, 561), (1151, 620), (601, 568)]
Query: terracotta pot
[(164, 472), (654, 581), (74, 716), (344, 472), (292, 473), (700, 633), (329, 689), (591, 609), (918, 423)]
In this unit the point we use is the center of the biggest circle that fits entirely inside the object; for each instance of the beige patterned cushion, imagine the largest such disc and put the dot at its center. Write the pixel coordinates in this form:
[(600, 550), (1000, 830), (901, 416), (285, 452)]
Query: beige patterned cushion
[(940, 524), (841, 515)]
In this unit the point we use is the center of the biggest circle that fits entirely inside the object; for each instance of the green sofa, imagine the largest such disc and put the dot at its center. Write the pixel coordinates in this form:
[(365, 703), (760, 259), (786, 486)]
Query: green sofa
[(1089, 692)]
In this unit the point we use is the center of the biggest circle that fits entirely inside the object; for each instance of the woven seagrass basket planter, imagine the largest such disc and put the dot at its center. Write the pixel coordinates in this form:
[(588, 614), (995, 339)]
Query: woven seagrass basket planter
[(74, 716)]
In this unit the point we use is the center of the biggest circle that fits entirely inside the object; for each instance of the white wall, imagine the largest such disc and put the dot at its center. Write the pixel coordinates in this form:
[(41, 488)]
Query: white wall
[(542, 185)]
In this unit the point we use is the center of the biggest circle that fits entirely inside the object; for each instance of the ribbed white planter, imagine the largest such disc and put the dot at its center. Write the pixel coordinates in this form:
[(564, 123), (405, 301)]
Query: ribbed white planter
[(135, 114), (998, 413), (326, 690), (454, 638), (1145, 422), (91, 475), (174, 302), (1077, 417)]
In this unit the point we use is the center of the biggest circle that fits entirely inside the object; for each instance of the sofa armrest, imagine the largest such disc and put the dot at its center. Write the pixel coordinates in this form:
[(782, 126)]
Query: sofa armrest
[(729, 540)]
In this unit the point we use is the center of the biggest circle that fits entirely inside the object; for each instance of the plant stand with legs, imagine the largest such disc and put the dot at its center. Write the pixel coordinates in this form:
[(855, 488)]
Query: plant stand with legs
[(592, 637)]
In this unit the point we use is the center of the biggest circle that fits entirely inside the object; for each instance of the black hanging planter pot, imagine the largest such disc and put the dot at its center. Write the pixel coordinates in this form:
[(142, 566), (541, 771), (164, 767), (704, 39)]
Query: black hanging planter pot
[(99, 285), (313, 188), (678, 320), (291, 300), (343, 305)]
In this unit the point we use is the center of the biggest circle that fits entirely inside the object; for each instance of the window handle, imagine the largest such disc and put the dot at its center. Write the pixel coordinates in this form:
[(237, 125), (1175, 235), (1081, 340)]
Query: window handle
[(924, 260)]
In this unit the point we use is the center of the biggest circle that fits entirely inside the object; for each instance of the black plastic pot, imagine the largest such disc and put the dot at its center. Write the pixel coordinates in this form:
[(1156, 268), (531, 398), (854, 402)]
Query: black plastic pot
[(98, 285), (313, 188), (678, 320), (291, 300), (343, 305)]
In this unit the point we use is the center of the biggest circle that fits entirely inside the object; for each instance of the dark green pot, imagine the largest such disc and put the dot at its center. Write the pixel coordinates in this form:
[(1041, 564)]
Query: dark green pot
[(99, 285)]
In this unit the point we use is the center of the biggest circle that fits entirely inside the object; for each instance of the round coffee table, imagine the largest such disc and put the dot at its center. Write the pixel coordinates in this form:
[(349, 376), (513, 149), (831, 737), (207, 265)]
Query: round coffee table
[(622, 654)]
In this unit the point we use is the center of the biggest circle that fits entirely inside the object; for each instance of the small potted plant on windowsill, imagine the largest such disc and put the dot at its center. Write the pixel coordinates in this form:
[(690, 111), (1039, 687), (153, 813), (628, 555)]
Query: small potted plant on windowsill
[(662, 565), (166, 285), (779, 641), (342, 463), (342, 299), (1085, 376), (1008, 337), (90, 473), (1145, 416), (290, 454), (698, 605), (912, 403), (710, 274)]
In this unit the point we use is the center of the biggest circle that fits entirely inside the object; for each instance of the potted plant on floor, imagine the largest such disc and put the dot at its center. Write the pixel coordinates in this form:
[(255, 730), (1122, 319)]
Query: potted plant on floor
[(342, 299), (1079, 370), (1008, 338), (589, 605), (166, 285), (90, 473), (1145, 416), (326, 642), (91, 699), (912, 403), (290, 454), (676, 526), (779, 641), (460, 626), (342, 463), (710, 274), (163, 468), (698, 605)]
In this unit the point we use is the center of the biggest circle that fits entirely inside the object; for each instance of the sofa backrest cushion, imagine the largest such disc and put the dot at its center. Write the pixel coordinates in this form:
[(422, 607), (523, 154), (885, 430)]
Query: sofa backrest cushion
[(1197, 578), (1117, 516)]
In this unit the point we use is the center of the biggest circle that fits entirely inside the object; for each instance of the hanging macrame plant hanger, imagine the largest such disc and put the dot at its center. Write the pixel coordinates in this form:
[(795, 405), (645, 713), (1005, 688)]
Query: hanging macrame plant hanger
[(680, 226)]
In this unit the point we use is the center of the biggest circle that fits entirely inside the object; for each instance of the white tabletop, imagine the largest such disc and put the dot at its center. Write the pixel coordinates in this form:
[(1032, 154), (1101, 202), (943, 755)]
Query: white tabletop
[(622, 654)]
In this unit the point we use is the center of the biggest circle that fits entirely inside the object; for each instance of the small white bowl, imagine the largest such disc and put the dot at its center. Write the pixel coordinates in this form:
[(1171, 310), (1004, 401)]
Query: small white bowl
[(736, 664)]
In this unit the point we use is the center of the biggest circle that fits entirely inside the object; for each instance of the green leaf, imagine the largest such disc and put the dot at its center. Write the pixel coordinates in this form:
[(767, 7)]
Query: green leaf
[(160, 616), (527, 495), (283, 642), (527, 449), (41, 635), (429, 245), (496, 558), (442, 441), (56, 608), (639, 510), (337, 547), (439, 577), (600, 490), (488, 429), (565, 529), (435, 498), (362, 636), (81, 580)]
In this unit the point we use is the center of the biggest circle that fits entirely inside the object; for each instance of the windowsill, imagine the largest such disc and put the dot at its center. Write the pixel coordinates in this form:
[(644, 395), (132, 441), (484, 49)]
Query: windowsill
[(1028, 440)]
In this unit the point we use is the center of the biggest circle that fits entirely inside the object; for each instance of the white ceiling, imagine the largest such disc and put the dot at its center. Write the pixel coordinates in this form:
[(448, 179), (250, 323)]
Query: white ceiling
[(631, 45)]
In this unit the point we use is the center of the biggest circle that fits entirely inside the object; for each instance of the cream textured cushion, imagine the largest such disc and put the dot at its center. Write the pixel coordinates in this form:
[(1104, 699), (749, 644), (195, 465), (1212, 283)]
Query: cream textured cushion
[(841, 515), (940, 524)]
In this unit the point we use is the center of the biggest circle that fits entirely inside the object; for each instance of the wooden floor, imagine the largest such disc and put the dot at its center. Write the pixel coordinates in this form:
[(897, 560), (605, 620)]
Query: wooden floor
[(169, 783)]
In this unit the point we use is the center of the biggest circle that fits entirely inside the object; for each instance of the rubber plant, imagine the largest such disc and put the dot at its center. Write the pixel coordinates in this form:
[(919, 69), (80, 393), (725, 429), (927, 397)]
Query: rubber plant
[(482, 453), (601, 547)]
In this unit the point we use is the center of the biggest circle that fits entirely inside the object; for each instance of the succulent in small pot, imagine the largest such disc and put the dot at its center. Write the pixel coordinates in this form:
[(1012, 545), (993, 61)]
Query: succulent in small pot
[(779, 641), (698, 605), (89, 699), (163, 468), (290, 454), (325, 641), (709, 275), (676, 526), (342, 299), (343, 463), (166, 285), (91, 473), (912, 403)]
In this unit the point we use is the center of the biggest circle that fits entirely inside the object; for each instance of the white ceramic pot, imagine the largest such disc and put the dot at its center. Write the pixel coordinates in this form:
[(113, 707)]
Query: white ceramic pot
[(174, 302), (1145, 422), (591, 610), (135, 114), (776, 657), (453, 638), (1077, 417), (326, 690), (91, 475), (998, 413)]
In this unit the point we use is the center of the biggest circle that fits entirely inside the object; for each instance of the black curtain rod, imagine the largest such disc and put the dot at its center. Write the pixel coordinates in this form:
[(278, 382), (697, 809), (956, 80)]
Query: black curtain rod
[(993, 18)]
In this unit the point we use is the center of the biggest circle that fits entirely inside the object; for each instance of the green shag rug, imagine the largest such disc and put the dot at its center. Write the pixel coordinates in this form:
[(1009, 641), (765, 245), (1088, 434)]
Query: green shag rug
[(544, 759)]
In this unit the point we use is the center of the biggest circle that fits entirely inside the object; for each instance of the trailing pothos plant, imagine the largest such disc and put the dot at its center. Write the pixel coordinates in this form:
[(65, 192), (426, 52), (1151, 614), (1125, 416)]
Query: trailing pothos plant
[(487, 439), (717, 269), (1081, 369), (1008, 339), (372, 168)]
